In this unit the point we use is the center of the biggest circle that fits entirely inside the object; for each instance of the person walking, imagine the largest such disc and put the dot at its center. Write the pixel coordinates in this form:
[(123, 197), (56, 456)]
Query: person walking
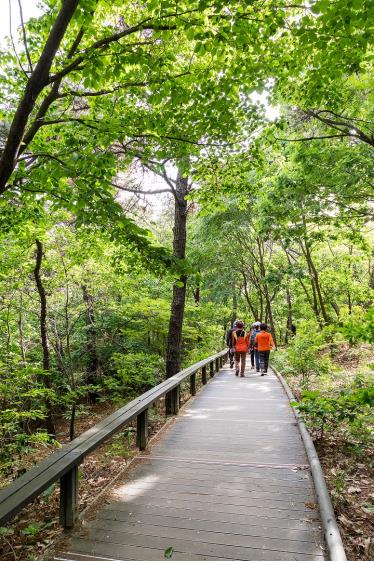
[(240, 342), (229, 343), (264, 342), (255, 358)]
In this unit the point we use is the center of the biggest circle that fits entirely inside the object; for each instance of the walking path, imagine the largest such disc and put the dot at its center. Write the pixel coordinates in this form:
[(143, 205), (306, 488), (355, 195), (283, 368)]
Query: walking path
[(229, 480)]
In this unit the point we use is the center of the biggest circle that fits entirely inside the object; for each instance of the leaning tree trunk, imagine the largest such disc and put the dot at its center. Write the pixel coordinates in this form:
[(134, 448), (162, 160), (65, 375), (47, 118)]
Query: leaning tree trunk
[(36, 82), (43, 331), (289, 316), (173, 348), (91, 345)]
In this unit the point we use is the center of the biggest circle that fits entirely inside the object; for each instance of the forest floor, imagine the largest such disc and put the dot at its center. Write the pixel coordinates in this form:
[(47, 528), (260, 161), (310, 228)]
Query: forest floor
[(347, 464), (33, 532)]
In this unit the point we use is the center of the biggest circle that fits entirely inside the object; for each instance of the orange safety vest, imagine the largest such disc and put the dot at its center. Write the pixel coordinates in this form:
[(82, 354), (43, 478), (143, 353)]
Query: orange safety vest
[(264, 341), (240, 340)]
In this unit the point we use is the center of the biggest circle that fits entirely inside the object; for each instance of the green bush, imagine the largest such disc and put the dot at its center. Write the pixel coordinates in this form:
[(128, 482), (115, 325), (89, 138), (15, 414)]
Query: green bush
[(134, 373), (23, 400), (360, 329), (349, 412), (304, 355)]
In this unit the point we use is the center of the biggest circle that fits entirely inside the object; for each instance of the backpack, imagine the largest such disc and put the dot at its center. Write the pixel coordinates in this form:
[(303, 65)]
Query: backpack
[(239, 340), (253, 337)]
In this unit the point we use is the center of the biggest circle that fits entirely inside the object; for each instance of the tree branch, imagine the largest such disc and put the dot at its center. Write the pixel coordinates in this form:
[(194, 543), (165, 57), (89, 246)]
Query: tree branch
[(119, 87), (307, 138), (140, 191), (105, 41), (24, 36), (12, 40), (35, 84)]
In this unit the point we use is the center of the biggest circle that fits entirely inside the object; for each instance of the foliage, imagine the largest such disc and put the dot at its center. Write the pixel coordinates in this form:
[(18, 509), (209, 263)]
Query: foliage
[(22, 411), (279, 219), (304, 354), (135, 373), (360, 328), (350, 411)]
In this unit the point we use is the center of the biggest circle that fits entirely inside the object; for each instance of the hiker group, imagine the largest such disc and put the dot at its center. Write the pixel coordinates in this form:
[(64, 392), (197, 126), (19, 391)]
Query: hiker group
[(257, 341)]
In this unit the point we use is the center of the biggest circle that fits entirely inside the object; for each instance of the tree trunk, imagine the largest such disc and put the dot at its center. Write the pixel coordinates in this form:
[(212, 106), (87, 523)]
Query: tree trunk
[(196, 294), (268, 310), (20, 330), (37, 81), (303, 286), (253, 311), (173, 349), (91, 345), (289, 315), (325, 316), (43, 330), (314, 275), (234, 306)]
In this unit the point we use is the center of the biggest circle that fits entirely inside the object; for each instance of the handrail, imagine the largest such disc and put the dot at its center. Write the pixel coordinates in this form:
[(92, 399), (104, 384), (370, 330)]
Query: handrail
[(330, 527), (63, 464)]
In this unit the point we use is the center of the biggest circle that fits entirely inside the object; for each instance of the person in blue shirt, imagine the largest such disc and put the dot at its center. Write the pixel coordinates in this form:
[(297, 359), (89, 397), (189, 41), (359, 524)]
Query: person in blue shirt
[(255, 357)]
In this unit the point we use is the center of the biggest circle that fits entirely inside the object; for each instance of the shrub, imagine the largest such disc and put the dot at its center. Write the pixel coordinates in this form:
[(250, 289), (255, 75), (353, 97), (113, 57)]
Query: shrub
[(360, 329), (23, 400), (134, 373), (349, 412), (304, 357)]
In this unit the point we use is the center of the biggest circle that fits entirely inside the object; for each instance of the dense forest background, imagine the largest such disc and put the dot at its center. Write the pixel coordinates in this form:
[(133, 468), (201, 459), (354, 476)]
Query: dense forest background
[(171, 166)]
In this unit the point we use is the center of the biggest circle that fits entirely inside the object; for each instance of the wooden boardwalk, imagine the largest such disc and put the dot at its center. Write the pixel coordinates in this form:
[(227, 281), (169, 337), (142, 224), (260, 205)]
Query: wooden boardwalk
[(229, 480)]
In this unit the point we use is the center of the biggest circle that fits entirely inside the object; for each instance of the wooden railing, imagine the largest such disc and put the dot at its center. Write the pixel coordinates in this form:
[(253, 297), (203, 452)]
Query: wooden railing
[(63, 464)]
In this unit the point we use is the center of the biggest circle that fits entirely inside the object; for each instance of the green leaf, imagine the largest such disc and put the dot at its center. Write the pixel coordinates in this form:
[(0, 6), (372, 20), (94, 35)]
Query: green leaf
[(168, 553)]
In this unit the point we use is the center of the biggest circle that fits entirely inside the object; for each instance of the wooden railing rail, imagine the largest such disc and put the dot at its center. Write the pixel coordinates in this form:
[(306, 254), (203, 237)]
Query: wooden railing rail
[(63, 464)]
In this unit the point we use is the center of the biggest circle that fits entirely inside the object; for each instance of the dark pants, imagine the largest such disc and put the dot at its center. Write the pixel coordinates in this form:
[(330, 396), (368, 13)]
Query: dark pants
[(264, 360), (255, 359), (231, 357)]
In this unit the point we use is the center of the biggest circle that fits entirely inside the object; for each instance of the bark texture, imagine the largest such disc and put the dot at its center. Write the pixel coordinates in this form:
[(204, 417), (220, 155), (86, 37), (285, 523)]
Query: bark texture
[(43, 330), (38, 80), (174, 340), (91, 348)]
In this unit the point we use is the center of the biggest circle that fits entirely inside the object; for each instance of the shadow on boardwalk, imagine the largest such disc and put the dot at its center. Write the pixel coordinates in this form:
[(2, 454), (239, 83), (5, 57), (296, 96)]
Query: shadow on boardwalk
[(229, 480)]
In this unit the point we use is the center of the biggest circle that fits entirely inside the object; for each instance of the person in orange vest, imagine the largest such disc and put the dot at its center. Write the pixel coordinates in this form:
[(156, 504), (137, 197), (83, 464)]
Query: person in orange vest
[(240, 342), (264, 342)]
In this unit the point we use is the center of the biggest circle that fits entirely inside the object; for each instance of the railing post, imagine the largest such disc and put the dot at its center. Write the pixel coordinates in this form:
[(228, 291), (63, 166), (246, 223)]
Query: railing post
[(211, 369), (193, 384), (217, 364), (69, 498), (175, 400), (203, 375), (142, 430), (220, 361)]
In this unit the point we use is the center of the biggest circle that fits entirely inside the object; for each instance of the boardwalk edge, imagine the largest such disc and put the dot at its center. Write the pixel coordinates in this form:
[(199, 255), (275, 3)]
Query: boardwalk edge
[(331, 530)]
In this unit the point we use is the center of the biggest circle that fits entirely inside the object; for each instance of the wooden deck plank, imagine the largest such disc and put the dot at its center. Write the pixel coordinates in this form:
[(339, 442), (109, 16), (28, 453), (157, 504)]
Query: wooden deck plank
[(304, 541), (202, 496), (268, 521), (190, 508), (222, 472), (228, 481), (228, 491), (185, 551), (257, 526)]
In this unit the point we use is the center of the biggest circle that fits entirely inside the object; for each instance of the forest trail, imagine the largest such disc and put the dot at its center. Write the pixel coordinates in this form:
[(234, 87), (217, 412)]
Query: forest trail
[(229, 480)]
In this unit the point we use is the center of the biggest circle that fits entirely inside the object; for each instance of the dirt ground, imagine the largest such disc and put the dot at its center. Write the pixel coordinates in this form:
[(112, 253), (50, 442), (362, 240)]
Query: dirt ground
[(347, 466)]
